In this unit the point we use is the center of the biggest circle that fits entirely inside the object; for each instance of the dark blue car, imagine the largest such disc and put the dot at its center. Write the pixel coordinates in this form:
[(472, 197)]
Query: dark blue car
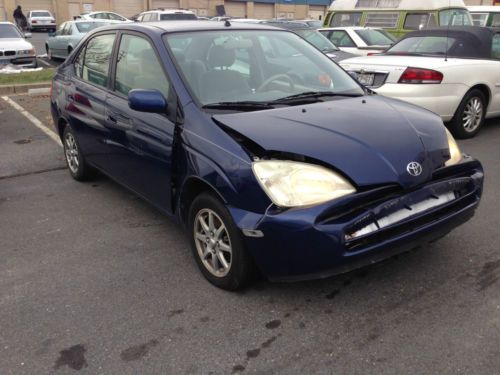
[(283, 165)]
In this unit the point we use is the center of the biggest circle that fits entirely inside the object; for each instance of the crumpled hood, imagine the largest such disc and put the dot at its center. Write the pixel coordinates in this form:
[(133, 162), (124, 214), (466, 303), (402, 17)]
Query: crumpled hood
[(370, 139)]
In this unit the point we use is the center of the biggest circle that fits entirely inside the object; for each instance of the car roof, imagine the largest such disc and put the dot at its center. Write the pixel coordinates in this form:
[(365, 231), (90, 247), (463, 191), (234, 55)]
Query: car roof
[(476, 39), (484, 8), (40, 10), (6, 23), (352, 28), (188, 25), (169, 11)]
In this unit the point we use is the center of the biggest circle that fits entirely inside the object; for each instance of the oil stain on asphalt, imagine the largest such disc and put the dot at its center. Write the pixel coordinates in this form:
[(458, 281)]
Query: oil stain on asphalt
[(73, 357), (137, 352)]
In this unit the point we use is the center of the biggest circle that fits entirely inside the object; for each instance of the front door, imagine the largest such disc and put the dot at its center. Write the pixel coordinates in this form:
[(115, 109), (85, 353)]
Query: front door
[(140, 144)]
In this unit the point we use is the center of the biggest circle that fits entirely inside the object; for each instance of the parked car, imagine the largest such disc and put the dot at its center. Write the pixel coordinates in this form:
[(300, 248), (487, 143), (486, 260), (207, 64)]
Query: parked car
[(167, 15), (103, 16), (315, 24), (485, 15), (397, 16), (40, 20), (314, 37), (14, 48), (299, 179), (359, 40), (61, 43), (453, 72)]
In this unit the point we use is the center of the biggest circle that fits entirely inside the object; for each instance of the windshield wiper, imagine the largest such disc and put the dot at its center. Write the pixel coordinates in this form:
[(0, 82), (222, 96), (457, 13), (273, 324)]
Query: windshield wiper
[(239, 106), (314, 95)]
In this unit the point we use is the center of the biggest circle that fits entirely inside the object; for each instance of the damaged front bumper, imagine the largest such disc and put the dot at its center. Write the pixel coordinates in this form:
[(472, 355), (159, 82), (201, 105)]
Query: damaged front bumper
[(360, 229)]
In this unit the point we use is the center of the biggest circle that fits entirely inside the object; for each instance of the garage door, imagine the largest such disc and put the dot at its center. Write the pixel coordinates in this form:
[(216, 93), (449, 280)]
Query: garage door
[(3, 16), (37, 5), (167, 4), (263, 11), (235, 8), (316, 12), (127, 8)]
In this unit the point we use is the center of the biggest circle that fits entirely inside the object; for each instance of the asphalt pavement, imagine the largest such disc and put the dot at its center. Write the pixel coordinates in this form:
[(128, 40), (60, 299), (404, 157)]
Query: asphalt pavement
[(38, 39), (93, 279)]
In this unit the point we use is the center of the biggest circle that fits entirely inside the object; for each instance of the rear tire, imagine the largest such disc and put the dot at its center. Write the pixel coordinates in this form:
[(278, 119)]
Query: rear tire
[(217, 244), (78, 167), (469, 117)]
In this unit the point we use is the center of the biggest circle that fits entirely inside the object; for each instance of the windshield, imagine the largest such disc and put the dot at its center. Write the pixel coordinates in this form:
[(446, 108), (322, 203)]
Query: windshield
[(423, 45), (40, 14), (455, 17), (177, 16), (375, 37), (9, 31), (85, 27), (258, 66), (317, 40)]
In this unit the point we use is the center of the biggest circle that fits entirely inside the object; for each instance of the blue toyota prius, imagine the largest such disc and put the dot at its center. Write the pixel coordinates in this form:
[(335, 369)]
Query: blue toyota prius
[(270, 155)]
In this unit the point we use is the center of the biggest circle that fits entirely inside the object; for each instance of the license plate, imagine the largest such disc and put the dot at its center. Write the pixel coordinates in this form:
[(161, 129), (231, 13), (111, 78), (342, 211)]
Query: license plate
[(366, 79)]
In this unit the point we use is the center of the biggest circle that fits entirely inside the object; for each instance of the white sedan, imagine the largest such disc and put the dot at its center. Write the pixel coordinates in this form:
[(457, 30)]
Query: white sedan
[(359, 40), (454, 73)]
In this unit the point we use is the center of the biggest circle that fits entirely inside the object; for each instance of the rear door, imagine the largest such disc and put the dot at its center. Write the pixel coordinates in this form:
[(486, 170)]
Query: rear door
[(86, 97), (140, 144)]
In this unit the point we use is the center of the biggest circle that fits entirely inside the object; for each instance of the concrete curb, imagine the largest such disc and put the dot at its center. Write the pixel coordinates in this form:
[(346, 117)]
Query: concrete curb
[(22, 88)]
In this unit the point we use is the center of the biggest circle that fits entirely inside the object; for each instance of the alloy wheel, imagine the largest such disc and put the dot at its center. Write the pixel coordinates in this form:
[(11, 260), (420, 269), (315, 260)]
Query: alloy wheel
[(473, 114), (71, 152), (212, 242)]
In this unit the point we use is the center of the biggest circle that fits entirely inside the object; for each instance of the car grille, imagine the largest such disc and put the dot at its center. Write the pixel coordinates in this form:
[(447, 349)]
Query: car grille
[(7, 53)]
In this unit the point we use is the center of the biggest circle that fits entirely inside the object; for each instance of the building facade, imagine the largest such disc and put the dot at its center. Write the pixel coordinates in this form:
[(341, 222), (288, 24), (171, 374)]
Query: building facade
[(67, 9)]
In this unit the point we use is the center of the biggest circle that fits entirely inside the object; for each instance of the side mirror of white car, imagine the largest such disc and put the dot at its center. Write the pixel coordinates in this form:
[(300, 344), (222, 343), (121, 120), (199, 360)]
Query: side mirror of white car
[(27, 35)]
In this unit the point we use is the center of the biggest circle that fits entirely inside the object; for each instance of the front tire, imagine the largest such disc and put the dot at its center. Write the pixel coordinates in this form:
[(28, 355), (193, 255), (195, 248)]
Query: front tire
[(217, 244), (78, 167), (469, 117)]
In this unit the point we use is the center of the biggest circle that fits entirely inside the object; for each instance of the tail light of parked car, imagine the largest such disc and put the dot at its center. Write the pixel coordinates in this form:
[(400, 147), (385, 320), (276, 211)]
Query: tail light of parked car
[(421, 76), (34, 21)]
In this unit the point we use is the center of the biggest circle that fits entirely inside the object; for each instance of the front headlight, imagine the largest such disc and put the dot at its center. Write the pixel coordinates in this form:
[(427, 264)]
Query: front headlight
[(28, 52), (293, 184), (455, 154)]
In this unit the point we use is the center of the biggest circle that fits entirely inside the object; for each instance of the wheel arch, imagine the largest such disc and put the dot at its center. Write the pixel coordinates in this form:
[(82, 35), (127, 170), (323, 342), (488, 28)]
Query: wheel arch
[(484, 89), (191, 188)]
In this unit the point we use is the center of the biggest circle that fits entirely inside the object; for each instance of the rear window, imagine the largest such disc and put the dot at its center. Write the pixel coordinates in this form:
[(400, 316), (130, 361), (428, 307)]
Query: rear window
[(40, 14), (346, 19), (177, 16), (375, 37), (85, 27), (382, 19), (428, 45)]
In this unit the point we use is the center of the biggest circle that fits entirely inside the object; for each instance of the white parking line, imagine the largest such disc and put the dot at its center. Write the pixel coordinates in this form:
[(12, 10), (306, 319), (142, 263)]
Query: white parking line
[(49, 132), (44, 62)]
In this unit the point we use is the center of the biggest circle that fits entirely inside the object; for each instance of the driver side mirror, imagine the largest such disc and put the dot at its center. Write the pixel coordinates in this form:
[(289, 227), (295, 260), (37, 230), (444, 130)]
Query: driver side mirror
[(143, 100), (27, 35)]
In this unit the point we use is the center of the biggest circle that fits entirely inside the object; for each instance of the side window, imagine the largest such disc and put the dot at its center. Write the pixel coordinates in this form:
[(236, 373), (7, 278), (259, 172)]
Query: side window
[(153, 17), (414, 21), (495, 20), (341, 39), (79, 63), (138, 67), (61, 28), (94, 15), (96, 62), (146, 17), (495, 47), (346, 19)]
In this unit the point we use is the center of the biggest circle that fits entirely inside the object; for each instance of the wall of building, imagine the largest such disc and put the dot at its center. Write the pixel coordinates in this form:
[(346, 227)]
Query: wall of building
[(67, 9)]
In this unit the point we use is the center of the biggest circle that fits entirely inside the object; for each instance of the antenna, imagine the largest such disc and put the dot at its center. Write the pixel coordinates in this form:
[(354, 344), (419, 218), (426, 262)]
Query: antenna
[(448, 31)]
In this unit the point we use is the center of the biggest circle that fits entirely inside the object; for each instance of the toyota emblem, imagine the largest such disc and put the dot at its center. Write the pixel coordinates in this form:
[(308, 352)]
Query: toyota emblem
[(414, 168)]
